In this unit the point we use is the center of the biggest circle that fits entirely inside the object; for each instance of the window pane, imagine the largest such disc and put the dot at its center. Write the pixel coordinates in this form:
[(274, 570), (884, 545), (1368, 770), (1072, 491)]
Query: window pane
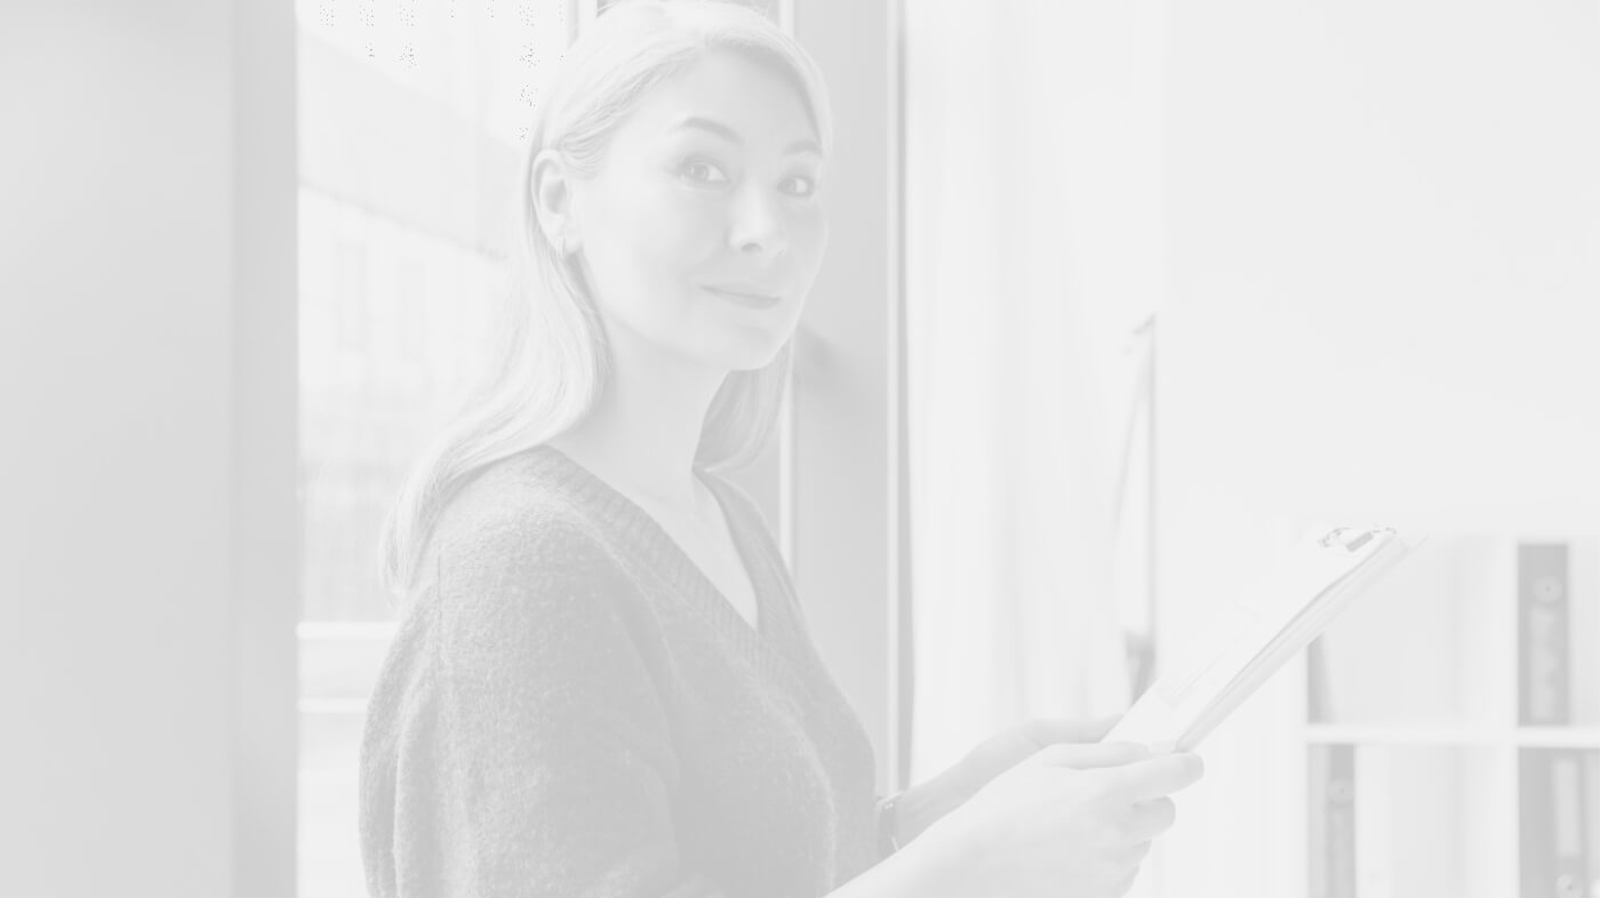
[(391, 318), (330, 864), (411, 114)]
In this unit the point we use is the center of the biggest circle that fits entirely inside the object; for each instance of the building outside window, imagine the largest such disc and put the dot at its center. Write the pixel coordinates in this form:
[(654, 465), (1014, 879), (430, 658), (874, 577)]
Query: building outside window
[(411, 115)]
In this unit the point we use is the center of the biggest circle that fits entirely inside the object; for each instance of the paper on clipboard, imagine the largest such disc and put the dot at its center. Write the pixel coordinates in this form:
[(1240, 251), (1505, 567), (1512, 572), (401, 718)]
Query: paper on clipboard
[(1259, 632)]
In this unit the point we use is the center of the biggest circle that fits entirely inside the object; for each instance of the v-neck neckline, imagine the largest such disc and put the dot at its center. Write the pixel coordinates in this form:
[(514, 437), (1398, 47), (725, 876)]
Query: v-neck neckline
[(680, 568)]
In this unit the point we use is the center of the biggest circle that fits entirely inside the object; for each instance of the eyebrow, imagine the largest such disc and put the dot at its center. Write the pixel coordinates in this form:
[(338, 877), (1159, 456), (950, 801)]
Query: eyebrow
[(803, 145)]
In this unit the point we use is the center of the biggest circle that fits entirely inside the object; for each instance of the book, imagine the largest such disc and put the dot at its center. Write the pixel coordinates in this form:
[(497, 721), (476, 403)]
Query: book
[(1376, 832), (1566, 792), (1332, 825), (1296, 596), (1583, 619), (1543, 669), (1554, 823), (1591, 805), (1536, 864)]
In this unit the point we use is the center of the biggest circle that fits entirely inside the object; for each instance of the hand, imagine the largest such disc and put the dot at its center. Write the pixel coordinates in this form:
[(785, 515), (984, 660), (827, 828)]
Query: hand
[(925, 803), (1011, 746), (1071, 821)]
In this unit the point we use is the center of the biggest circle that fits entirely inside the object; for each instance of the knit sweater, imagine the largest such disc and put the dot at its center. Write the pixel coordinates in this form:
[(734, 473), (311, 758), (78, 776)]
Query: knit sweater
[(571, 708)]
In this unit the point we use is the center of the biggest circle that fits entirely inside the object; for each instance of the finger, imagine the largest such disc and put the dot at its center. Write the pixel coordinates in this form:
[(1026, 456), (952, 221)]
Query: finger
[(1149, 819), (1124, 860), (1086, 756), (1138, 852), (1050, 730), (1126, 885), (1156, 776)]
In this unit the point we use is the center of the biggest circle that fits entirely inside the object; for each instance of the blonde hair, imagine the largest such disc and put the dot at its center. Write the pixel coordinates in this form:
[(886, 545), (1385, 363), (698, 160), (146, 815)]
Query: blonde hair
[(553, 360)]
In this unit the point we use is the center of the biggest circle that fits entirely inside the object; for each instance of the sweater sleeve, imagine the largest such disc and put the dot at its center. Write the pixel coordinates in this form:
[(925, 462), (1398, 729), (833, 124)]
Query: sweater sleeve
[(550, 768)]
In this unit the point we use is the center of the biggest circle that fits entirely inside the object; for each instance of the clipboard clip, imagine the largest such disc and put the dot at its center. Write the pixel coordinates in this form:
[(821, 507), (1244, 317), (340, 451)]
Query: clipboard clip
[(1351, 539)]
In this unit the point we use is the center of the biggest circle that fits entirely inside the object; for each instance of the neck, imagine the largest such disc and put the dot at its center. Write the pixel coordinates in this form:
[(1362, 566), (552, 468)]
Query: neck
[(644, 429)]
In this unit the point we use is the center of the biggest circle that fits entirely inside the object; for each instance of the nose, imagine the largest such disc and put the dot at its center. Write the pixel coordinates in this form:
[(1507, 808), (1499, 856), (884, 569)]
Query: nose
[(758, 226)]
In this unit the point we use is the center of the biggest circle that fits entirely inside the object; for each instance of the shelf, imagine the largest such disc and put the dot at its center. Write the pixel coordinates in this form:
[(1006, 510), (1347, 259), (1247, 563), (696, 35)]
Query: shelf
[(1423, 734), (1449, 736), (1559, 737), (1417, 765)]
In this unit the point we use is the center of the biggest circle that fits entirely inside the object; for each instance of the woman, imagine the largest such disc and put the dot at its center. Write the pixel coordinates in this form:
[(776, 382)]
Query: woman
[(603, 684)]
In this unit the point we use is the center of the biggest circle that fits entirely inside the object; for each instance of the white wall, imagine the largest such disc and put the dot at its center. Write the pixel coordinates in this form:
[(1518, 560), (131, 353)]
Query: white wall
[(146, 532), (1384, 238)]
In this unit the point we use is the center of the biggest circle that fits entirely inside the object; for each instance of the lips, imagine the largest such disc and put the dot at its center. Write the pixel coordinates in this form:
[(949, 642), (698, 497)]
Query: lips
[(745, 295)]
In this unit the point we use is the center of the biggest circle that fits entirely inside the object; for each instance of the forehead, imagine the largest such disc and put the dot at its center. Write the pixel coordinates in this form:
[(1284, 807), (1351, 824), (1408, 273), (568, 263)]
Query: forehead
[(758, 100)]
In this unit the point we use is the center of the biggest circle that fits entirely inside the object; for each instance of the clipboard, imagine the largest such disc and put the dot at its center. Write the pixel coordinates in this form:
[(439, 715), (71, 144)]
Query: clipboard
[(1267, 624)]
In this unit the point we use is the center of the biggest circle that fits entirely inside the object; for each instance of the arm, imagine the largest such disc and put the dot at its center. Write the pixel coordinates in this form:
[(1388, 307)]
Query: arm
[(920, 806), (546, 764), (919, 870)]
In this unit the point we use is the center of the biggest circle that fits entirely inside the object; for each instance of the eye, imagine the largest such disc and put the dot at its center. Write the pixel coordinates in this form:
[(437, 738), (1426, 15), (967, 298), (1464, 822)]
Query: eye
[(808, 185), (703, 172)]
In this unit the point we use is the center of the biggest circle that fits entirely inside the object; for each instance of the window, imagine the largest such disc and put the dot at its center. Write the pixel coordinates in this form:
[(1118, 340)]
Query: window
[(411, 116)]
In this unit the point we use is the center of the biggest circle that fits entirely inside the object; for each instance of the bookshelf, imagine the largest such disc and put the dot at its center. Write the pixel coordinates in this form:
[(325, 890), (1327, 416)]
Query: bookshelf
[(1452, 733)]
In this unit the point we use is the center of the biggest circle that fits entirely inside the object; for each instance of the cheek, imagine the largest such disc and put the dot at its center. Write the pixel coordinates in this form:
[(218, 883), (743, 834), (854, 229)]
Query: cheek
[(669, 232), (808, 240), (648, 238)]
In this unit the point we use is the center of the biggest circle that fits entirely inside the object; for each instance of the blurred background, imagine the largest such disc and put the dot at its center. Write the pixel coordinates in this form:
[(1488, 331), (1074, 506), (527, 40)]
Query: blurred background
[(1120, 298)]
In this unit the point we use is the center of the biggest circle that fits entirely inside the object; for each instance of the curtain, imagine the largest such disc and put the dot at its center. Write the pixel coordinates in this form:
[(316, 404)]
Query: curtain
[(1033, 250)]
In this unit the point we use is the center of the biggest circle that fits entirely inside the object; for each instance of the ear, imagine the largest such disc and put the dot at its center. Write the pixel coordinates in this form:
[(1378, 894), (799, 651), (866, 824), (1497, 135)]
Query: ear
[(552, 188)]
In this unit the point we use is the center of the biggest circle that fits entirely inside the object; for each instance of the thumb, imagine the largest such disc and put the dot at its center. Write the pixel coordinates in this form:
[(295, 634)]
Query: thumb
[(1083, 756), (1048, 730)]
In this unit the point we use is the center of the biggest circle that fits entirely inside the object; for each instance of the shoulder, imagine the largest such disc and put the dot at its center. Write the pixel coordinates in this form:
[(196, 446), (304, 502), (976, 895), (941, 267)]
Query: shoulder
[(519, 575), (513, 508), (513, 527)]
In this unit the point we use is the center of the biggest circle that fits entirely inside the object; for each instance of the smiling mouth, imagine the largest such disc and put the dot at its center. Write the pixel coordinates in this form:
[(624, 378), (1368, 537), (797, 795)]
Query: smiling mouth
[(749, 300)]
